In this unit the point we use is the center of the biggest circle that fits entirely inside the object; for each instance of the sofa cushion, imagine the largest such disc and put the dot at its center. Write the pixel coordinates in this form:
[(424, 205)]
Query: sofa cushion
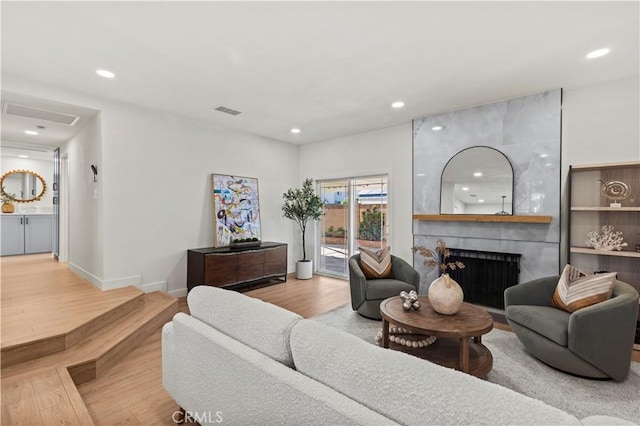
[(549, 322), (213, 375), (384, 288), (376, 263), (260, 325), (407, 389), (575, 290)]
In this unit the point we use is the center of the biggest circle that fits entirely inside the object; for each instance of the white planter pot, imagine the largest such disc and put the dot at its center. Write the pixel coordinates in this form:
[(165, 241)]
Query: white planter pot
[(304, 269)]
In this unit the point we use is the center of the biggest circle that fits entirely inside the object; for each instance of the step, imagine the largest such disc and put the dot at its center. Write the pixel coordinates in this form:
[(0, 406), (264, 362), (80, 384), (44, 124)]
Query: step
[(44, 397), (49, 328), (100, 351)]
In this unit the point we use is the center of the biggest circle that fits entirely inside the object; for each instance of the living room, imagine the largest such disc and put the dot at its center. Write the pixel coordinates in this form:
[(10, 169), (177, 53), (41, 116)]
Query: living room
[(155, 140)]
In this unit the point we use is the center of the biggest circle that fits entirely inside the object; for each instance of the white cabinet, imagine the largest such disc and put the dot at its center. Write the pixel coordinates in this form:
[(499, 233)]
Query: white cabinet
[(26, 234)]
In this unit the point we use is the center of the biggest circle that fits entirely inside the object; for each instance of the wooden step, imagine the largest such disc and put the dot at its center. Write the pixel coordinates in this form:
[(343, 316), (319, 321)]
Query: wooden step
[(100, 351), (51, 322), (44, 397)]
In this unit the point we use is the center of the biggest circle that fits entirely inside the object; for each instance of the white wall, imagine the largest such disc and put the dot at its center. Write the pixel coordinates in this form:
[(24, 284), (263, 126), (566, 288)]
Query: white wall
[(154, 184), (387, 151), (86, 227), (600, 124)]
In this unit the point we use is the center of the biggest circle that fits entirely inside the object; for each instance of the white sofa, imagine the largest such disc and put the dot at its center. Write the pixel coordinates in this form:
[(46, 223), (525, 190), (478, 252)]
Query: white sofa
[(238, 360)]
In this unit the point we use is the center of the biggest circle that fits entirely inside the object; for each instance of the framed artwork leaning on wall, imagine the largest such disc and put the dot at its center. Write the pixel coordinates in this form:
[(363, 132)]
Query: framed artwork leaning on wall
[(236, 209)]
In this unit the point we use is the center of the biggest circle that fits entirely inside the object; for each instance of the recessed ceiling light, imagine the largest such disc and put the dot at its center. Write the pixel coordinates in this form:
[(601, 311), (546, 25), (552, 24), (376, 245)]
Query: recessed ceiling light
[(295, 130), (436, 128), (105, 73), (465, 188), (31, 132), (421, 174), (23, 156), (597, 53), (398, 104), (544, 155), (477, 174), (548, 164), (481, 201)]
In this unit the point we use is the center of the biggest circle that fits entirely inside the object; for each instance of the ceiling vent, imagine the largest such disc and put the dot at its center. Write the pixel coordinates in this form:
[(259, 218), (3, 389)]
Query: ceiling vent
[(39, 114), (227, 110)]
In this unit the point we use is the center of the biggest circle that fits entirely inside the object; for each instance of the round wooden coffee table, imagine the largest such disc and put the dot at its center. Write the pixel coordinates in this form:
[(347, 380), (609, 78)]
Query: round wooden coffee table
[(459, 344)]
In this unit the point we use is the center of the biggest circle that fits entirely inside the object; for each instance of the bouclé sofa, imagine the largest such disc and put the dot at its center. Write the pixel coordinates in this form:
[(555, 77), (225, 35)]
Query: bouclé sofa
[(238, 360)]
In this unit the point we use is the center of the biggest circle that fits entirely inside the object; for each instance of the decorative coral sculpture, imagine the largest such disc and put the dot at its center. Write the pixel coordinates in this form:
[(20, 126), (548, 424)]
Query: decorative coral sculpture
[(608, 240)]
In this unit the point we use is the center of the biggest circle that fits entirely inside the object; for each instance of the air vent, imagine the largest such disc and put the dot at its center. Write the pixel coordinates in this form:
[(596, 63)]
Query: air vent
[(227, 110), (40, 114)]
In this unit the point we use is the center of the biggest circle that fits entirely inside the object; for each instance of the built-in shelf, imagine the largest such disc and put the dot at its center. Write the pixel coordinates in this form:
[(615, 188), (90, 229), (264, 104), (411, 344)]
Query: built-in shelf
[(606, 209), (482, 218), (587, 250), (590, 167)]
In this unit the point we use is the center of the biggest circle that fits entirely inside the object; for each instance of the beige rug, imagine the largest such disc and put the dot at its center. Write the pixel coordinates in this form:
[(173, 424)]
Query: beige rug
[(515, 369)]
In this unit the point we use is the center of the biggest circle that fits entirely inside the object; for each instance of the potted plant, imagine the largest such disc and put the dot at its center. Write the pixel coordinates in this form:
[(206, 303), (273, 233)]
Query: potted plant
[(302, 205), (7, 202)]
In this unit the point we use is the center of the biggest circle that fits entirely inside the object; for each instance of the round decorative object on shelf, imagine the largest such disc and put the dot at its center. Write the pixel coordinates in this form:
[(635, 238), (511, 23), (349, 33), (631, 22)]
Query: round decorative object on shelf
[(445, 295), (615, 190)]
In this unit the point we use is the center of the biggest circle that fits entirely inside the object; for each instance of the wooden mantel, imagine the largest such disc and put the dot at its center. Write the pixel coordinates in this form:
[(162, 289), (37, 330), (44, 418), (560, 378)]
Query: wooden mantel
[(482, 218)]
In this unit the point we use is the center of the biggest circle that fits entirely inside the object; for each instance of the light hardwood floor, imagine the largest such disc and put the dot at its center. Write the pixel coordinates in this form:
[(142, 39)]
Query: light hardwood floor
[(132, 393)]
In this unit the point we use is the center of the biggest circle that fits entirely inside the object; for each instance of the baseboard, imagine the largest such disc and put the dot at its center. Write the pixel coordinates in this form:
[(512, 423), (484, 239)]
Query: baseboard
[(134, 281), (159, 286), (86, 275), (181, 292)]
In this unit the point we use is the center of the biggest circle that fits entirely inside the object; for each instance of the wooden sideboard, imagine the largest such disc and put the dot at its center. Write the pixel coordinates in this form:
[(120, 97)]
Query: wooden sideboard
[(221, 267)]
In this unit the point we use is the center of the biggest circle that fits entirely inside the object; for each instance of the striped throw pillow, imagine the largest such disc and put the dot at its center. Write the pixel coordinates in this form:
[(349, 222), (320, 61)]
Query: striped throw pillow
[(376, 263), (576, 290)]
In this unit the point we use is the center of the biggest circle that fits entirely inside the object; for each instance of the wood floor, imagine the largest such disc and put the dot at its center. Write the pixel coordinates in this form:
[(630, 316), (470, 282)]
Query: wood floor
[(131, 392)]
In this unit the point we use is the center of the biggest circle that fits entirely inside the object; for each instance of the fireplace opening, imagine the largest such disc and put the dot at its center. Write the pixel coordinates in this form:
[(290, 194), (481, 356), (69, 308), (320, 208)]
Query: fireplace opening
[(486, 275)]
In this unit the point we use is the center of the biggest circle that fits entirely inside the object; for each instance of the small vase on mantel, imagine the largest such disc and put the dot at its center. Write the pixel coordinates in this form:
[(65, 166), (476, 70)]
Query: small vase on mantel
[(445, 295)]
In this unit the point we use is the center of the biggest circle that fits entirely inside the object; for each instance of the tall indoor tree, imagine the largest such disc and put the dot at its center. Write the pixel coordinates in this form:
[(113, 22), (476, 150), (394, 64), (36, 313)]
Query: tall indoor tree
[(303, 205)]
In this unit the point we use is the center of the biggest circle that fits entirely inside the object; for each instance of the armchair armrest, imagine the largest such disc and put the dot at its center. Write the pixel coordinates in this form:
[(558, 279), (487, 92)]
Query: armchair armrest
[(404, 272), (603, 333), (357, 282), (537, 292)]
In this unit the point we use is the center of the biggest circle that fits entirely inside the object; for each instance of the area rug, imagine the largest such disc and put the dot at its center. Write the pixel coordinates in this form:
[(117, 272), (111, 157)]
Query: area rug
[(515, 369)]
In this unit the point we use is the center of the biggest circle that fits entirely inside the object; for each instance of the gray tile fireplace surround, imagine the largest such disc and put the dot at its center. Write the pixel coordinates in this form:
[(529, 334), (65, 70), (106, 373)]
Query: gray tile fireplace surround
[(527, 131)]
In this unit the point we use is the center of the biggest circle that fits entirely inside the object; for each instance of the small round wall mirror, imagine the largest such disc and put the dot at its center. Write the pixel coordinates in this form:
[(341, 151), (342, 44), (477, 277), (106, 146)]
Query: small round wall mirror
[(477, 180), (23, 186)]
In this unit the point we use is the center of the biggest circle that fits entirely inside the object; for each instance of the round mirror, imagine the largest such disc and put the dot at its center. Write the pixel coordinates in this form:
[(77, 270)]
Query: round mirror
[(22, 186), (477, 180)]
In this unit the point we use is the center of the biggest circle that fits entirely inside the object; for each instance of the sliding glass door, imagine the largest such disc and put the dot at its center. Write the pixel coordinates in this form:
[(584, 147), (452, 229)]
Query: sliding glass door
[(355, 216)]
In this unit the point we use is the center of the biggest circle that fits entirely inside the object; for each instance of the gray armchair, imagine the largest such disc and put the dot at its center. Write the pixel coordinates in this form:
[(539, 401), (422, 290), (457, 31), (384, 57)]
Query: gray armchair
[(595, 341), (366, 295)]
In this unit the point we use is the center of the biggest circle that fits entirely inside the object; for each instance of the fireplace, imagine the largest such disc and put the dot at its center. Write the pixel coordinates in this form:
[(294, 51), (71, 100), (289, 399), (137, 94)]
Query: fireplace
[(486, 275)]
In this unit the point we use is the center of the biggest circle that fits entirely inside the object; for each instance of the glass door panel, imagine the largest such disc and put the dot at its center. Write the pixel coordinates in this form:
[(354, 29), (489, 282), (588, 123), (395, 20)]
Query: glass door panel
[(355, 216), (371, 224), (334, 228)]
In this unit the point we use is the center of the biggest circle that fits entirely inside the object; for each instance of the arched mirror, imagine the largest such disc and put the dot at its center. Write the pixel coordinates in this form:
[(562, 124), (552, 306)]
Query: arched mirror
[(477, 180), (23, 186)]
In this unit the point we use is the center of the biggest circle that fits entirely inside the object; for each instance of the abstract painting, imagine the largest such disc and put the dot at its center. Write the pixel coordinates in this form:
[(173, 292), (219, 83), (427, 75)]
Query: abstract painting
[(236, 209)]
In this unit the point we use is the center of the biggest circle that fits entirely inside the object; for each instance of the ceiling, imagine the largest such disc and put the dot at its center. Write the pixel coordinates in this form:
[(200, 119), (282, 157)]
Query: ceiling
[(329, 68)]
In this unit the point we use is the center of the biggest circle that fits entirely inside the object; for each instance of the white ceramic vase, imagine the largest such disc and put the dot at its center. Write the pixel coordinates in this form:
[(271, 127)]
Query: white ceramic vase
[(304, 269), (445, 295)]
